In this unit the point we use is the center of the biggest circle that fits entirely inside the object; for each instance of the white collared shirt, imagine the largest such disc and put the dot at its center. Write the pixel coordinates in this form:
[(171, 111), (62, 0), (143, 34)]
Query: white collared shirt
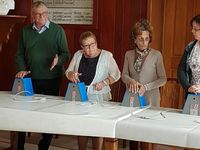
[(44, 28)]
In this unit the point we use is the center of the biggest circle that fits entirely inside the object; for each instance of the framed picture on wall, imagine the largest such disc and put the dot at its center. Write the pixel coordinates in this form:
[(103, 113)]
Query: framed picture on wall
[(72, 12)]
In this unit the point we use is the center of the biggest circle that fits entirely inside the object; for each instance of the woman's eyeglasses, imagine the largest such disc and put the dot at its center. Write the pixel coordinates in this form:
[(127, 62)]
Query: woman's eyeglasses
[(89, 46), (195, 30), (140, 39)]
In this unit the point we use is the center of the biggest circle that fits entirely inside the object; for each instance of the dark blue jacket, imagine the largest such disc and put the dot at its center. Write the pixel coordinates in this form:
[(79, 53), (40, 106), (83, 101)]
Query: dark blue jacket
[(184, 71)]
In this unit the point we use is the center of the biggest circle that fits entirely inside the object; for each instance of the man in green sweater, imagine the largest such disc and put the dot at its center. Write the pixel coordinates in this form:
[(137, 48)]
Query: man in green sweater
[(41, 53)]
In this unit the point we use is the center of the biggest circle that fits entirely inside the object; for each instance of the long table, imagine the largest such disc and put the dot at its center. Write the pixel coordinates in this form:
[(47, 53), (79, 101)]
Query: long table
[(58, 116), (55, 115), (49, 114), (163, 126)]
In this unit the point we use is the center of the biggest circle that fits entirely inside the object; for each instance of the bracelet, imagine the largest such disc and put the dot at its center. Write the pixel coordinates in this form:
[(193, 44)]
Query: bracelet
[(104, 81)]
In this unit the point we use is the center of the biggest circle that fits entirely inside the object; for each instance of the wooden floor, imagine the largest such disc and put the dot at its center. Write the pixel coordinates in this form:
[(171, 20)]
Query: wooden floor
[(62, 142)]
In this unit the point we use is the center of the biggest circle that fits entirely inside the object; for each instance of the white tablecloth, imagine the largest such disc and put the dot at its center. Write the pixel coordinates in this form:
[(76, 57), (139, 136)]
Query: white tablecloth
[(11, 101), (55, 115), (169, 128), (59, 116), (194, 136)]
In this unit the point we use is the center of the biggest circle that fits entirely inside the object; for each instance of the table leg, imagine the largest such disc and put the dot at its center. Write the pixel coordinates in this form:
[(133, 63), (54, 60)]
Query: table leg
[(110, 144), (13, 140), (146, 146)]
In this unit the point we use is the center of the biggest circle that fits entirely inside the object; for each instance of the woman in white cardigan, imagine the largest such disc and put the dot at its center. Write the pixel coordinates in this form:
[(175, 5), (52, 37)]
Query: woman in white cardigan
[(98, 69)]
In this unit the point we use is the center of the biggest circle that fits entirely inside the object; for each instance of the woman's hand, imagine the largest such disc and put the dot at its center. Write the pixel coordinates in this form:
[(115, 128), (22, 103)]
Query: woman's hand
[(99, 86), (73, 76), (194, 89), (134, 86), (141, 89)]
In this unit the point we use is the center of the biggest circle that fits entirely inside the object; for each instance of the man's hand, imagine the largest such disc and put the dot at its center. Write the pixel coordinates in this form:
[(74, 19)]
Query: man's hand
[(21, 74), (54, 62)]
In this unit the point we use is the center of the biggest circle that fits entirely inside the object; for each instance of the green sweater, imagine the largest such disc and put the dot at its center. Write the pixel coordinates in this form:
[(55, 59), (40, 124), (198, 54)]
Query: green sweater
[(36, 51)]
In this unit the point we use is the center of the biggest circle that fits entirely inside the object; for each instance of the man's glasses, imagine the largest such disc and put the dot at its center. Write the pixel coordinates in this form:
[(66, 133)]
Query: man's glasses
[(44, 14), (89, 46)]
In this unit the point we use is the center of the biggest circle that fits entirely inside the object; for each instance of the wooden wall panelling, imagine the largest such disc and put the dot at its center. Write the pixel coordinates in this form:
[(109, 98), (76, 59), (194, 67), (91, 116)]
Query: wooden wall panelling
[(138, 10), (106, 29), (119, 44), (122, 43), (191, 11), (197, 7), (72, 47), (155, 16), (7, 57), (180, 35), (170, 93), (107, 24), (22, 7), (168, 30), (127, 13), (170, 34), (7, 63), (180, 26)]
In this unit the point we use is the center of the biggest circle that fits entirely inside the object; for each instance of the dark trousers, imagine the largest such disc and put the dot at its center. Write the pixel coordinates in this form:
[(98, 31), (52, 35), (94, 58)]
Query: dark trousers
[(43, 144), (133, 145), (47, 87)]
